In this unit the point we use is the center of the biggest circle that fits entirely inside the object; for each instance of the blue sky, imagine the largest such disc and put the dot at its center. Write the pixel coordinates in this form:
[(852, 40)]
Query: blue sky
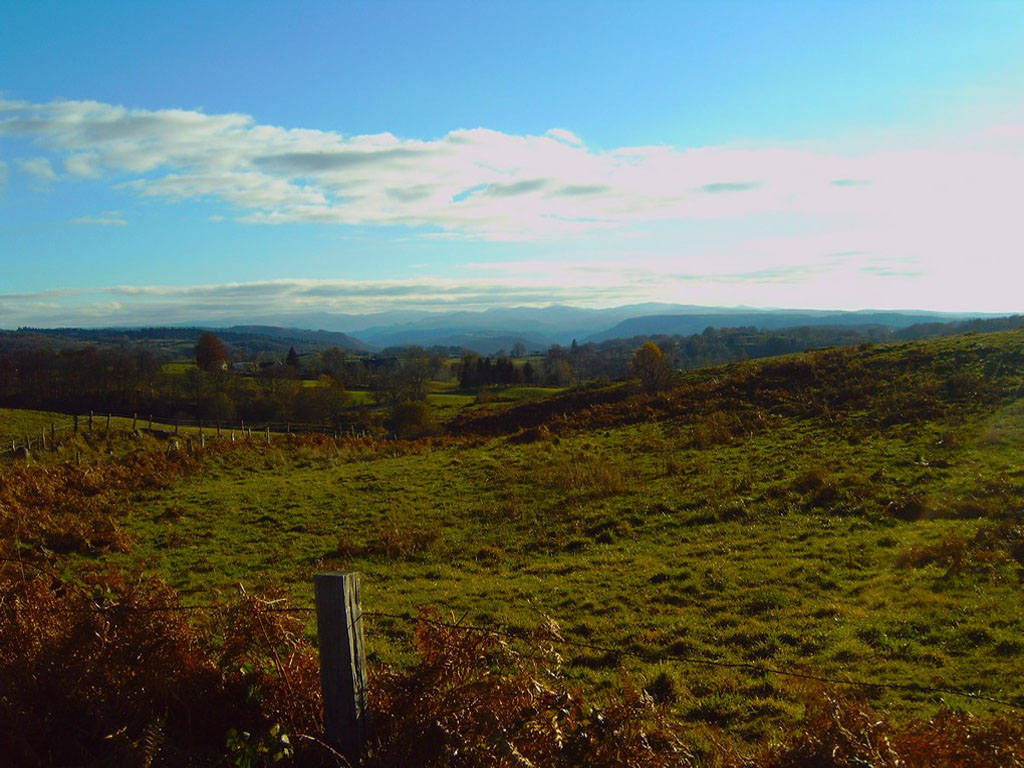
[(180, 160)]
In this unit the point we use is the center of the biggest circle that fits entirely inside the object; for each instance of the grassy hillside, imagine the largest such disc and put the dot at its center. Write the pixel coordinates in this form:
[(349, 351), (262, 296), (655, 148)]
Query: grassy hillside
[(850, 513)]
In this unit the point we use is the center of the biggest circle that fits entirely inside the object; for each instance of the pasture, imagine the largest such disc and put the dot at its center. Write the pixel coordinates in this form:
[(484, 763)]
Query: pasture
[(824, 545)]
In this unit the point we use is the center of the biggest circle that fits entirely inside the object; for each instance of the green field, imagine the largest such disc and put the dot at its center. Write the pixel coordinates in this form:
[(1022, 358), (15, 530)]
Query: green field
[(17, 425), (746, 517)]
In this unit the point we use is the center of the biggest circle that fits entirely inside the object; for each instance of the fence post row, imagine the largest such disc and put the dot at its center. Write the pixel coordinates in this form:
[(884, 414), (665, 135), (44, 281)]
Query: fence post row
[(246, 431), (339, 624)]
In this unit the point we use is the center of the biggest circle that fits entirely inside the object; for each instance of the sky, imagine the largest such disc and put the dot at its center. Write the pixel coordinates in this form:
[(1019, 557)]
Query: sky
[(161, 163)]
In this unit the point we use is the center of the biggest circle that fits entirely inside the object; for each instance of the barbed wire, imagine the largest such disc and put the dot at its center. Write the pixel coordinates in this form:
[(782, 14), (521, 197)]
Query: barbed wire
[(557, 638), (701, 661)]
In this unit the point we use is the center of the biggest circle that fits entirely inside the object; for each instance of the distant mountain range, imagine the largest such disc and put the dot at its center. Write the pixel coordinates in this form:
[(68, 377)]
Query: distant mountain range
[(489, 331), (686, 324)]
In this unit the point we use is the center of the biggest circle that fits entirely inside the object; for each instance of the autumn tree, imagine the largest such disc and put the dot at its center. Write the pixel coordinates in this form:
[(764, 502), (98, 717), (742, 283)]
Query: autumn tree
[(651, 368), (211, 352), (332, 360)]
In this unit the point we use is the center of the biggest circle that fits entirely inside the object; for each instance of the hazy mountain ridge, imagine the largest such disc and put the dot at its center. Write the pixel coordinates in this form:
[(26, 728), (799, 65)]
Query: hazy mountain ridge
[(686, 324), (488, 331), (485, 332)]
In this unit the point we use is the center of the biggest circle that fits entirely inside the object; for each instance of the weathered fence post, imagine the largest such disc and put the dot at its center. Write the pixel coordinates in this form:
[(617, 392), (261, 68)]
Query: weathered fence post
[(42, 438), (90, 421), (53, 434), (268, 435), (76, 423), (108, 423), (339, 626)]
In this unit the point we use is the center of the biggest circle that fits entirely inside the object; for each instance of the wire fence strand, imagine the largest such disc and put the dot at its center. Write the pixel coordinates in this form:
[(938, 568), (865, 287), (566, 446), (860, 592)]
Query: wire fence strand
[(559, 639), (700, 661)]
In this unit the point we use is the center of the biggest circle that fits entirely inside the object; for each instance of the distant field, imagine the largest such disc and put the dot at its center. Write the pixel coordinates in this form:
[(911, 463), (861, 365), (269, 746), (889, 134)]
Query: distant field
[(528, 393), (17, 424), (359, 397), (450, 400), (177, 369)]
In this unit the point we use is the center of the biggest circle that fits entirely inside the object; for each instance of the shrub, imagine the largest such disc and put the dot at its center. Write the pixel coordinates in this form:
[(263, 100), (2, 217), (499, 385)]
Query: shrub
[(585, 475), (473, 700), (110, 672), (412, 419), (651, 368)]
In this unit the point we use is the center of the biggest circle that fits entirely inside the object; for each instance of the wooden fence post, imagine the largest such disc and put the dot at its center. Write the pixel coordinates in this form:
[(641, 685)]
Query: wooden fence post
[(108, 423), (90, 421), (76, 423), (339, 626), (268, 435)]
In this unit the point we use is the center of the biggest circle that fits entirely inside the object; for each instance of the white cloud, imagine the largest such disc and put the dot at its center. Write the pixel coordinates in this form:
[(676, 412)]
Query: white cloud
[(38, 168), (943, 209), (83, 165), (107, 219), (494, 184), (566, 136)]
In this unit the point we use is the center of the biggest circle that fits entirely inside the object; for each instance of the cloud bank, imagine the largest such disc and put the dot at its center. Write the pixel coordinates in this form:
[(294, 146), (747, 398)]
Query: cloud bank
[(923, 221), (521, 283), (489, 184)]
